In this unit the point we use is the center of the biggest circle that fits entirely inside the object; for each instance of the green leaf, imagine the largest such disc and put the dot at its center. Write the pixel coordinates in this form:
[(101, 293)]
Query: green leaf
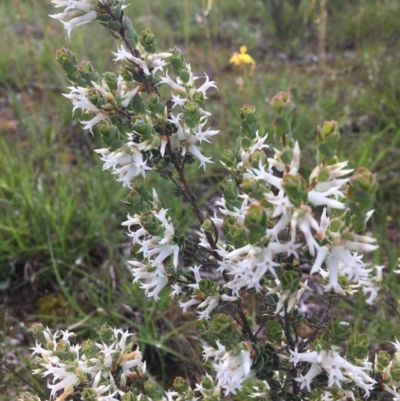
[(273, 331)]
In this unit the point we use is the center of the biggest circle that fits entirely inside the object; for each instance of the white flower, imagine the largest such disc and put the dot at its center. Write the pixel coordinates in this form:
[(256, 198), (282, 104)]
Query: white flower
[(210, 352), (153, 280), (262, 174), (179, 89), (82, 13), (79, 98), (187, 88), (322, 198), (194, 150), (126, 165), (337, 368), (232, 369), (146, 61), (238, 214)]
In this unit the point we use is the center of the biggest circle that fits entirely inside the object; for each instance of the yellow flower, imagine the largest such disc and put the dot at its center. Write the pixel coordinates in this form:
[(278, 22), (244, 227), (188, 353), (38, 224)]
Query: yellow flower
[(242, 58)]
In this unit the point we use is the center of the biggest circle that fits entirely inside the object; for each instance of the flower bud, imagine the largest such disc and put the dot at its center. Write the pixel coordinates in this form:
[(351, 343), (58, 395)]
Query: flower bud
[(395, 373), (246, 110), (89, 394), (364, 180), (228, 159), (89, 348), (61, 55), (37, 330), (26, 396), (256, 223), (327, 138), (129, 396), (105, 332), (180, 385), (208, 226), (295, 187), (150, 223), (147, 38), (199, 97), (281, 101), (191, 114), (248, 115)]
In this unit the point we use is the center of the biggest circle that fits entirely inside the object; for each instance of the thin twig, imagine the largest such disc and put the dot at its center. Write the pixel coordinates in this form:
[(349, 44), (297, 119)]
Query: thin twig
[(321, 323), (24, 379), (246, 326)]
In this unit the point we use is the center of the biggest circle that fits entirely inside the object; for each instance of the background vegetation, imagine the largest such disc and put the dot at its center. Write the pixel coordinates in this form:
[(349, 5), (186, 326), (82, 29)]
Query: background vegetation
[(62, 249)]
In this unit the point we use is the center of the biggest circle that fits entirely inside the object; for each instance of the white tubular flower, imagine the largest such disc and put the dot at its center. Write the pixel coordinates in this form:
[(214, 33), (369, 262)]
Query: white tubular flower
[(262, 174), (282, 204), (187, 89), (322, 198), (238, 214), (204, 135), (101, 390), (189, 137), (82, 5), (295, 163), (322, 253), (132, 221), (146, 61), (79, 98), (153, 280), (67, 379), (258, 144), (187, 304), (94, 121), (337, 368), (176, 290), (178, 101), (248, 265), (397, 353), (292, 297), (207, 85), (136, 166), (233, 368), (303, 219), (211, 303), (126, 165), (335, 171), (81, 13), (168, 247), (333, 269), (194, 150), (179, 89), (210, 352)]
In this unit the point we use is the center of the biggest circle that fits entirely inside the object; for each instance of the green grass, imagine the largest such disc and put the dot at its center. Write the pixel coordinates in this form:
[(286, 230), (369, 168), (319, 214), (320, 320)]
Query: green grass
[(60, 214)]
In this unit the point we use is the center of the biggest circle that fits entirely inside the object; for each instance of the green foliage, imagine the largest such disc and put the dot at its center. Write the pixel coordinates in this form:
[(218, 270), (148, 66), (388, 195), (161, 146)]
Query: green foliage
[(42, 223)]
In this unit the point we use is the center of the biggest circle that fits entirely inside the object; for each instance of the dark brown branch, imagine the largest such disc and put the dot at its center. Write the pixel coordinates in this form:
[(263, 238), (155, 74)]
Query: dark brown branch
[(321, 323), (246, 326)]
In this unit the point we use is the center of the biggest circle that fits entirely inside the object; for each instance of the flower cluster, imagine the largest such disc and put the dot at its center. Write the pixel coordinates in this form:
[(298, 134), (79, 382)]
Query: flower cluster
[(75, 13), (338, 369), (71, 367), (155, 248), (232, 367)]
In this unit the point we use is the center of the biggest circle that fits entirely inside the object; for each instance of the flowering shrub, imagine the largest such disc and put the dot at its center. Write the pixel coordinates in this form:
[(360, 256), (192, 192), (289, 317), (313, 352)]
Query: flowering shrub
[(272, 224)]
